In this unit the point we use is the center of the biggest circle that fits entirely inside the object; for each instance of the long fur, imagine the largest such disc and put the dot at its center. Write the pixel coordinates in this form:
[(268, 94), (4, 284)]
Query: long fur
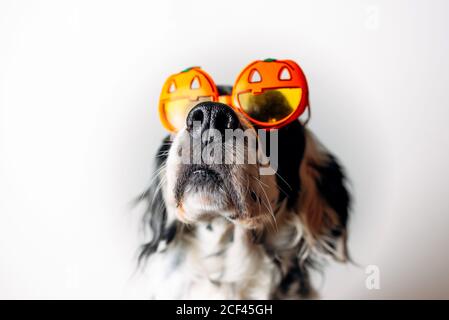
[(221, 259)]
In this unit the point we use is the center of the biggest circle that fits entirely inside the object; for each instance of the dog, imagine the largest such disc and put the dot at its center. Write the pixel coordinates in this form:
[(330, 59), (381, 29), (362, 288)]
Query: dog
[(223, 231)]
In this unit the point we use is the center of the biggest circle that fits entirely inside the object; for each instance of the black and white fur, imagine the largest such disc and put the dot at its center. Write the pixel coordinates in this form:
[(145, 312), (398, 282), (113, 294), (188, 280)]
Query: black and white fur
[(228, 233)]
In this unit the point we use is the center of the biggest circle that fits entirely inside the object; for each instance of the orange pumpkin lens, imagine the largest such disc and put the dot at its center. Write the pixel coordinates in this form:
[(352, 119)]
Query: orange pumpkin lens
[(271, 106), (175, 111)]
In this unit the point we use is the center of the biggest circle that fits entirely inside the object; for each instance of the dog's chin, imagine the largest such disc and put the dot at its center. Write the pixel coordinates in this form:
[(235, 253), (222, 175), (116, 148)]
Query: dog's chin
[(204, 197), (198, 207), (202, 194), (204, 205)]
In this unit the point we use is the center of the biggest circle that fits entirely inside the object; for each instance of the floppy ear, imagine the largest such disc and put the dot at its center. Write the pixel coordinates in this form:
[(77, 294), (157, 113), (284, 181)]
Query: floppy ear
[(324, 200), (155, 217)]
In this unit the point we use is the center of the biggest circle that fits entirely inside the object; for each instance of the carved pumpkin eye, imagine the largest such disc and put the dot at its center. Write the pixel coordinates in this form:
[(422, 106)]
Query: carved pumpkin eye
[(195, 84), (285, 74), (172, 87), (254, 76)]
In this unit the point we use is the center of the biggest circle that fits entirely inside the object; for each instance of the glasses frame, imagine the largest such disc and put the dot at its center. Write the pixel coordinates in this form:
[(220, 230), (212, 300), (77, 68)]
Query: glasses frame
[(270, 69)]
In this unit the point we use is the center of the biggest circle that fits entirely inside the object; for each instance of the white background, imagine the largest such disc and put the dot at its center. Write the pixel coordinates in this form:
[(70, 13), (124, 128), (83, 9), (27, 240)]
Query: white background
[(79, 86)]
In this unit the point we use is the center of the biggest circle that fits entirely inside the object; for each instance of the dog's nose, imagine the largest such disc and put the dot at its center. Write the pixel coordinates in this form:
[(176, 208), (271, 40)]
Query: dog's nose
[(211, 115)]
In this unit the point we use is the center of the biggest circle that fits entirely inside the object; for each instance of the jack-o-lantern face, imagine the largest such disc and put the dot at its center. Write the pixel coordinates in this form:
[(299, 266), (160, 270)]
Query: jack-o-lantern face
[(271, 92), (181, 92)]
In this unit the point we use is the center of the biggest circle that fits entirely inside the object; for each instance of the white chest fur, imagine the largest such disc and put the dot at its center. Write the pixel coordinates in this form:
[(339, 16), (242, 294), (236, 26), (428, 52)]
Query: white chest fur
[(216, 260)]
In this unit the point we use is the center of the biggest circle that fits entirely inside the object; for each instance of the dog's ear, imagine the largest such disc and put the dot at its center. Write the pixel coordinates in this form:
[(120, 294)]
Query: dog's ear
[(324, 200), (155, 216)]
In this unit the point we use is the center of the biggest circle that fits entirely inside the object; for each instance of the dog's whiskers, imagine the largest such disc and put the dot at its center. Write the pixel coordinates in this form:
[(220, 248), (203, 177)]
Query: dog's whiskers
[(268, 204)]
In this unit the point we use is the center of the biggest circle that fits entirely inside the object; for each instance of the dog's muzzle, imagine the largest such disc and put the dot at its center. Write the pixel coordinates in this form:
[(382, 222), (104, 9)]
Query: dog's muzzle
[(211, 116), (206, 186)]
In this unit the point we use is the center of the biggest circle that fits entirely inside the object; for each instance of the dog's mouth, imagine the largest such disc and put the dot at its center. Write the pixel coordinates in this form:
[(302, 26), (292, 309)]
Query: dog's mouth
[(203, 176), (203, 189)]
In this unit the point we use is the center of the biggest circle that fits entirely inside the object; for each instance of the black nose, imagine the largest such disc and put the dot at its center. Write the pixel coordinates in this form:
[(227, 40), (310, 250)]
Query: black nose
[(211, 115)]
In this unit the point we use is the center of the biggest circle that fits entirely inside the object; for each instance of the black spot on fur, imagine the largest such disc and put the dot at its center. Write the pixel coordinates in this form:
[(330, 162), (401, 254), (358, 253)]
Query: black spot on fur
[(156, 215), (331, 185), (296, 275), (254, 196), (170, 232), (291, 146)]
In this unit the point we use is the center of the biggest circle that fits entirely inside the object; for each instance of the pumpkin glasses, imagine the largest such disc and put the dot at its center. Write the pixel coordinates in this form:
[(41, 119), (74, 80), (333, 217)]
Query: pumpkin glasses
[(269, 93)]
